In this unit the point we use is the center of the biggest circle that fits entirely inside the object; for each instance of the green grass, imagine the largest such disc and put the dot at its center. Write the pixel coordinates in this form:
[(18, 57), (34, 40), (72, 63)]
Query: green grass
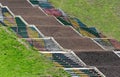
[(16, 60), (103, 14)]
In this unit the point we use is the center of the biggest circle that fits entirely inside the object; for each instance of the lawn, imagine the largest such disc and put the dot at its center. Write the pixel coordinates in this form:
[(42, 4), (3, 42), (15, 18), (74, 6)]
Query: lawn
[(17, 59), (102, 14)]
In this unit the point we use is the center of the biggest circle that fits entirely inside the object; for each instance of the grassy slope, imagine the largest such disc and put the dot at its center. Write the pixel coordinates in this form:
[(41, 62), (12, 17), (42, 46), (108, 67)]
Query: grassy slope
[(18, 61), (103, 14)]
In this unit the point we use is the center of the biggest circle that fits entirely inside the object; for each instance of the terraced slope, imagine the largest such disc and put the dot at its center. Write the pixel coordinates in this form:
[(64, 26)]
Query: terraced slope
[(64, 36), (106, 62), (103, 14), (48, 21), (17, 60)]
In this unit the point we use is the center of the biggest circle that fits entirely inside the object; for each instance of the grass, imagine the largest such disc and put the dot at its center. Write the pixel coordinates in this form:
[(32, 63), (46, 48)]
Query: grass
[(16, 60), (102, 14)]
